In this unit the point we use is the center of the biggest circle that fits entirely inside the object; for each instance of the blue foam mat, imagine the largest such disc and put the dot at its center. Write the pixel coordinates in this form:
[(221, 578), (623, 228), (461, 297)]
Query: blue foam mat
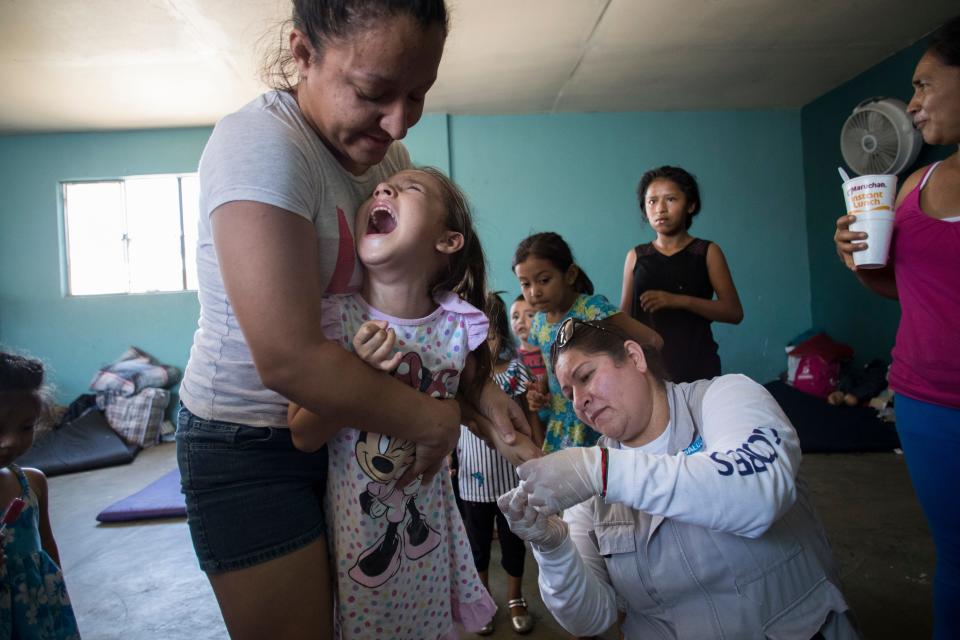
[(159, 499)]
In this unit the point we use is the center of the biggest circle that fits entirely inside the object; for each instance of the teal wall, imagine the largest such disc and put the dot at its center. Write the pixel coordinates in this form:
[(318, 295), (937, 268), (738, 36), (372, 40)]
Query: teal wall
[(574, 174), (577, 175), (429, 144), (839, 304), (75, 335)]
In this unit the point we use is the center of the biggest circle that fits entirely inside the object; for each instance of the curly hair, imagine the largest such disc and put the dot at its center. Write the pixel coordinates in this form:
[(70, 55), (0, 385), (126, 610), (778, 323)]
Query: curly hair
[(20, 373)]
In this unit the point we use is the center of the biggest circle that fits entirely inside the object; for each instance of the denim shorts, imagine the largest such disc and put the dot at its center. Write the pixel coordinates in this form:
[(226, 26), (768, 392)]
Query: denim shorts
[(251, 495)]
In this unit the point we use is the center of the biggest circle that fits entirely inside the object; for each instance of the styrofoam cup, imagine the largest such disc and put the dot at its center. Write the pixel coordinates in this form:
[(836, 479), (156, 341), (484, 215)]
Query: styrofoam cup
[(879, 232), (871, 199)]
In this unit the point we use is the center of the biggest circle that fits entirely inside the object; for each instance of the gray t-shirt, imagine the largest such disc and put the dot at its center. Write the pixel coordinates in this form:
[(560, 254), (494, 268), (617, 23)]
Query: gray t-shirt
[(266, 152)]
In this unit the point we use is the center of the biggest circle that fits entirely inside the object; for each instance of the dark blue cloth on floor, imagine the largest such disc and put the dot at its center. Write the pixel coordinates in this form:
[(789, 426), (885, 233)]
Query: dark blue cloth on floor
[(824, 428), (85, 443)]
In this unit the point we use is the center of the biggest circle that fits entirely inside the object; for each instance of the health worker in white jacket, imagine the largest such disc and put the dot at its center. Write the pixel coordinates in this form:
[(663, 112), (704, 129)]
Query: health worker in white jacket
[(688, 516)]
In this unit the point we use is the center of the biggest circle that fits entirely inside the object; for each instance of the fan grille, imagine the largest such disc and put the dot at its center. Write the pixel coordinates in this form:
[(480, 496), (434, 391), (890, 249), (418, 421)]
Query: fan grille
[(869, 142), (879, 137)]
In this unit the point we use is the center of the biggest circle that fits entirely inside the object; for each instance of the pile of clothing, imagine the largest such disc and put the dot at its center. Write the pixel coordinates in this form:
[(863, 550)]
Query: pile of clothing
[(822, 367), (133, 392)]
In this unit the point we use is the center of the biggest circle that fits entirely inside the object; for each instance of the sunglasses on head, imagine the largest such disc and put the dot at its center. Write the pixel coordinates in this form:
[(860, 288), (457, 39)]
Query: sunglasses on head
[(569, 328)]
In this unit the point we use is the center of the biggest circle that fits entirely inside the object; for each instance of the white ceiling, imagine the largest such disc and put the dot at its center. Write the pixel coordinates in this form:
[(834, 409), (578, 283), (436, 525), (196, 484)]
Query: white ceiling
[(78, 65)]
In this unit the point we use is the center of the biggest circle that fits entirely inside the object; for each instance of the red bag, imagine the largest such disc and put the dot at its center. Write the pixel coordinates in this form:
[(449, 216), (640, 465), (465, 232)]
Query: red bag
[(816, 376), (817, 365)]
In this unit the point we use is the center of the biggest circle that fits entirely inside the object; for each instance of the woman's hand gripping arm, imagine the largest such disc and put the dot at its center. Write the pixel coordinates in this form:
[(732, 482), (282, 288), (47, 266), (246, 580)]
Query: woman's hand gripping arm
[(496, 419), (373, 344)]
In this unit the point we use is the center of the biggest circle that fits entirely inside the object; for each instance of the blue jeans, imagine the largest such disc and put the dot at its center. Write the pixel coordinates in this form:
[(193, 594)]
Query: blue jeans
[(930, 438), (251, 495)]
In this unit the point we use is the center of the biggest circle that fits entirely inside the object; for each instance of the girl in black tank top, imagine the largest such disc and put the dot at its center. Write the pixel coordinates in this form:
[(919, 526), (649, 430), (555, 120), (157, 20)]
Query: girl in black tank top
[(669, 284)]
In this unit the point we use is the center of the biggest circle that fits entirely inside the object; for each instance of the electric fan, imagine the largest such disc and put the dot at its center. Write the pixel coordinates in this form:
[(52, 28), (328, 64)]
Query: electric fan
[(879, 137)]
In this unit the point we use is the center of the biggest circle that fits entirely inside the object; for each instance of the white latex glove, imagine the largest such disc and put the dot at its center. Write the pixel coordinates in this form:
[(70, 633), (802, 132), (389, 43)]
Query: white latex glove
[(562, 479), (547, 532)]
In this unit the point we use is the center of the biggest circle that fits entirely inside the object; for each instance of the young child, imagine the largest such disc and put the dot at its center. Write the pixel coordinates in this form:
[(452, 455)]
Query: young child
[(33, 595), (400, 554), (521, 317), (484, 475), (557, 288), (669, 284)]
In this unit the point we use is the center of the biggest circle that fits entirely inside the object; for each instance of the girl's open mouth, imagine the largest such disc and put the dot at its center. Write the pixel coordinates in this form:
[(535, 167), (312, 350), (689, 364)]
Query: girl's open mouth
[(382, 220)]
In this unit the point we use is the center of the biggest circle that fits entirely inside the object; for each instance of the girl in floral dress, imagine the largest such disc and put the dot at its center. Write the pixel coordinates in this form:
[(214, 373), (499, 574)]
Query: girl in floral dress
[(557, 288), (34, 604)]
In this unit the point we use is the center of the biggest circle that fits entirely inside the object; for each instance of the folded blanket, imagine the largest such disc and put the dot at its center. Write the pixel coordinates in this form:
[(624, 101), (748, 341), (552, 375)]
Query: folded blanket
[(132, 372)]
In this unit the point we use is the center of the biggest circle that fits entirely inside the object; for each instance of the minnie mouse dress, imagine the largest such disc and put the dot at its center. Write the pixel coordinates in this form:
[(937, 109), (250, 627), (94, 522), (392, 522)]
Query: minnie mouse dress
[(401, 557)]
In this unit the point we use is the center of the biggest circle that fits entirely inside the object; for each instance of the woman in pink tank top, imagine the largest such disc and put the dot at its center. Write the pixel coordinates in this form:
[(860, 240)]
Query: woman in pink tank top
[(923, 273)]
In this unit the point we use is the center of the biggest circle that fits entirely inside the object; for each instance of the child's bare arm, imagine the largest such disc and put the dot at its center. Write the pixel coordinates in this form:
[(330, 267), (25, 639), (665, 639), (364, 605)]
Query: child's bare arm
[(537, 430), (517, 449), (308, 431), (521, 449), (468, 388), (503, 413), (38, 482)]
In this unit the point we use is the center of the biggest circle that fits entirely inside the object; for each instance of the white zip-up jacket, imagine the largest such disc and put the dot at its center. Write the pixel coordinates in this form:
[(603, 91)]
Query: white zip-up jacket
[(710, 536)]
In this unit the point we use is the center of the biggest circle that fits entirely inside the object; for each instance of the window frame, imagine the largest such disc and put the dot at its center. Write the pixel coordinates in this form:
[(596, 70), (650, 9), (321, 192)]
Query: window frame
[(67, 279)]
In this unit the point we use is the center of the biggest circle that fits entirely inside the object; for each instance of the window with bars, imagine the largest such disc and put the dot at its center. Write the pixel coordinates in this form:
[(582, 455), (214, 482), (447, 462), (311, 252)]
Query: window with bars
[(136, 234)]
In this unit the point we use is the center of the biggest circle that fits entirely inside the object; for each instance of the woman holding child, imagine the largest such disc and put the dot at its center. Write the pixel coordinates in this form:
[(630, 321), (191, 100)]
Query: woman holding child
[(689, 514), (281, 180)]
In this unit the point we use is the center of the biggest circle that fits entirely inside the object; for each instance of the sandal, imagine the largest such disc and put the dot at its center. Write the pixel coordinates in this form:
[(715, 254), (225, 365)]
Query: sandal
[(487, 629), (522, 623)]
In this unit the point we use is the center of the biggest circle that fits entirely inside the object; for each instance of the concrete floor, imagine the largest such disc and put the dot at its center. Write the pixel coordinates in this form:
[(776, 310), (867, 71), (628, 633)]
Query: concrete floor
[(142, 580)]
